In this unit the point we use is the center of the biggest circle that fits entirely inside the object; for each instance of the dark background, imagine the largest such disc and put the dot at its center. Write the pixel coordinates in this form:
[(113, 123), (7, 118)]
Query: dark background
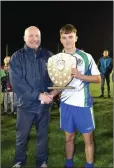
[(93, 20)]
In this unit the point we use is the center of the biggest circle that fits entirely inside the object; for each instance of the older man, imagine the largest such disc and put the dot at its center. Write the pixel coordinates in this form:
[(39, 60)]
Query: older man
[(29, 79)]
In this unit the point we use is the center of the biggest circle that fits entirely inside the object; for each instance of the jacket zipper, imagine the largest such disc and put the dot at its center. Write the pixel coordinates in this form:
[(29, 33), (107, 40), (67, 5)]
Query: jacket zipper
[(35, 65)]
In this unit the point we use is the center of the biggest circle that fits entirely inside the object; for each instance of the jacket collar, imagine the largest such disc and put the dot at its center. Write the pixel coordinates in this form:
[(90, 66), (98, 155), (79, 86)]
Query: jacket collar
[(30, 50), (106, 57)]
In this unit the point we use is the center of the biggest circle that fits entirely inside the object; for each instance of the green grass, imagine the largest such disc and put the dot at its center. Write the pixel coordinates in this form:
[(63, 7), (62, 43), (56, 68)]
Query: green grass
[(103, 137)]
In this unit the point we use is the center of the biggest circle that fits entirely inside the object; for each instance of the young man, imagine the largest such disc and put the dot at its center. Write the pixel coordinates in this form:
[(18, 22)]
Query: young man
[(105, 66), (76, 107), (30, 80)]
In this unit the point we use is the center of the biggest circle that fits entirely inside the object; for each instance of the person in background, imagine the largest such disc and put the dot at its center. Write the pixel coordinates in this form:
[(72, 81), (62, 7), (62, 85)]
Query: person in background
[(105, 66), (2, 77), (7, 89), (113, 76)]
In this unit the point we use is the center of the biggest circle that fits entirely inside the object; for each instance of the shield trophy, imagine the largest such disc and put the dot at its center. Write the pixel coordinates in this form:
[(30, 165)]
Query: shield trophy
[(59, 68)]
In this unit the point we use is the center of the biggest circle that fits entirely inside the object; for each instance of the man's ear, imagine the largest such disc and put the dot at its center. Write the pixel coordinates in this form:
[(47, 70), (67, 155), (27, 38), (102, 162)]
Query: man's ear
[(76, 38), (24, 38), (60, 40)]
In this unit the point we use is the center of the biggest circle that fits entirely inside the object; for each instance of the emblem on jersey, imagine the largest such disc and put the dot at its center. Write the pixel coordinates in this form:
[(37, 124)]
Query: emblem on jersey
[(79, 62), (59, 68)]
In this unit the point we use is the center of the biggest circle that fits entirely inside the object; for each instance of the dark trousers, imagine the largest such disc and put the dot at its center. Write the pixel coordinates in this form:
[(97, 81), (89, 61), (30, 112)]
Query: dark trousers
[(107, 77), (23, 126)]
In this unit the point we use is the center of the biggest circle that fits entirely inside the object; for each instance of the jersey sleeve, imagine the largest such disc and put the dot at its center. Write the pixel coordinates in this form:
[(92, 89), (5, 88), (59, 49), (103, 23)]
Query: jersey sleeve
[(93, 67)]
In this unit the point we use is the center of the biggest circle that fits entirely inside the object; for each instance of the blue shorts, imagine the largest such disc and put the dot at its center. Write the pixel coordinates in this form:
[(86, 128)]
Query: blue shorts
[(80, 118)]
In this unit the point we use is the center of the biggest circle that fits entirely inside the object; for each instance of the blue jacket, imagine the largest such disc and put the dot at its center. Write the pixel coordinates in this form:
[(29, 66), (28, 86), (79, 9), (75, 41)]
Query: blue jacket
[(29, 77), (105, 65)]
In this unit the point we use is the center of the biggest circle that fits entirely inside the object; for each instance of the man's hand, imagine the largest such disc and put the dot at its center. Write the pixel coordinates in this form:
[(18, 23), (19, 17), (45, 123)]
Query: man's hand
[(45, 98), (76, 74)]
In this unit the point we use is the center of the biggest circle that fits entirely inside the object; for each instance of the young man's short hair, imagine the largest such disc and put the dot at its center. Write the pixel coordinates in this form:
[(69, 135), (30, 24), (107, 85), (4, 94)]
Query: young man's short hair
[(68, 28), (106, 50)]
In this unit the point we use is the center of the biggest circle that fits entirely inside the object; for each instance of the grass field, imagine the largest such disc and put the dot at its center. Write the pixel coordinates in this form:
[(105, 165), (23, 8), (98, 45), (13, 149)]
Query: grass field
[(103, 137)]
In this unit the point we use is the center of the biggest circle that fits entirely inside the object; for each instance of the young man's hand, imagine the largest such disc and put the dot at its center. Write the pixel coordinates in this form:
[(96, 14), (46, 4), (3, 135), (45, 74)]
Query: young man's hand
[(76, 74), (86, 78), (54, 93)]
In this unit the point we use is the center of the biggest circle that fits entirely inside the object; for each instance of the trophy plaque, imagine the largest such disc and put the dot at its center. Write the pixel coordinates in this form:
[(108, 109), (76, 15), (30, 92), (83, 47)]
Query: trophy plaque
[(59, 68)]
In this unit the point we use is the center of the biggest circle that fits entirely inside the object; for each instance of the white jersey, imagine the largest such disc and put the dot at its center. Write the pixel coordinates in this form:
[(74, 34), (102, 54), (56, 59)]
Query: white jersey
[(80, 96)]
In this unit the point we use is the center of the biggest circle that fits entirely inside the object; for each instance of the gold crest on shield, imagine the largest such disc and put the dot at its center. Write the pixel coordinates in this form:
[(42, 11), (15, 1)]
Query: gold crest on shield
[(59, 68)]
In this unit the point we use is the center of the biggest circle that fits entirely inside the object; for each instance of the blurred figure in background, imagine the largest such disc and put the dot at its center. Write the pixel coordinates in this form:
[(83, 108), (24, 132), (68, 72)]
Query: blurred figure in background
[(113, 76), (2, 76), (105, 66), (7, 89)]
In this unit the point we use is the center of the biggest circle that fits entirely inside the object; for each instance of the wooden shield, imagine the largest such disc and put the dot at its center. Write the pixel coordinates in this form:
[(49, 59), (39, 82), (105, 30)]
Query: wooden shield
[(59, 68)]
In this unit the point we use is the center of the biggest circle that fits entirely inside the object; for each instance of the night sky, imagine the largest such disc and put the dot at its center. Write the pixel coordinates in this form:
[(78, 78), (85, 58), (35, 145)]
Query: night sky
[(93, 20)]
